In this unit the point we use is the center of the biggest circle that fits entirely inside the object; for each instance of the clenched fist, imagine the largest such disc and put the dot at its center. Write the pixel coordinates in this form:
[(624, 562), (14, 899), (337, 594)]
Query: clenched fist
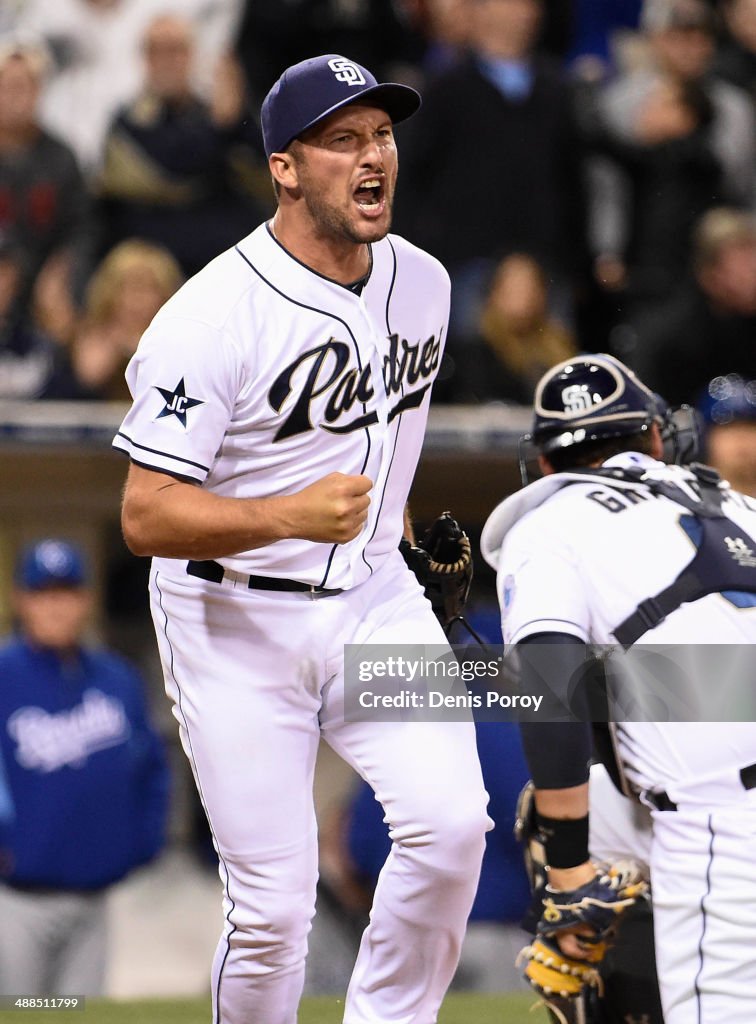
[(333, 510)]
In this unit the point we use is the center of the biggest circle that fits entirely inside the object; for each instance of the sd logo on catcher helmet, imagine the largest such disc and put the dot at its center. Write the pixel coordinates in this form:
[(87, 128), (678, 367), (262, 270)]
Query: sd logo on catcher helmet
[(596, 397), (591, 397)]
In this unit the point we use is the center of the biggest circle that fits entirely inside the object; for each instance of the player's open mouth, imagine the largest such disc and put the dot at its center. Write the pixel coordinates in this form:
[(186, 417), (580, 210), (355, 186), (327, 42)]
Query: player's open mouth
[(369, 196)]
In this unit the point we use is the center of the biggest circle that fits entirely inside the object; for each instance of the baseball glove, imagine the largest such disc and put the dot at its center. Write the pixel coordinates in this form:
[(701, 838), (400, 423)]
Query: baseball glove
[(442, 562), (566, 984), (596, 904), (568, 988)]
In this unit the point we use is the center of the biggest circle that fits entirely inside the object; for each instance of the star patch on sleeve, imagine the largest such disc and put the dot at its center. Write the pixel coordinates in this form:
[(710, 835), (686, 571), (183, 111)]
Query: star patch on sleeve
[(177, 403)]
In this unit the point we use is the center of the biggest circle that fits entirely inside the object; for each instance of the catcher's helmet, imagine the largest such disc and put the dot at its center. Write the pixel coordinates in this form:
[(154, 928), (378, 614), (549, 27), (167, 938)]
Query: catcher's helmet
[(589, 398), (594, 397)]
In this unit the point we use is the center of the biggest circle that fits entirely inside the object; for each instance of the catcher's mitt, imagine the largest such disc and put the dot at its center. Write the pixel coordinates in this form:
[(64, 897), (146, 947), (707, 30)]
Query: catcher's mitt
[(442, 562), (568, 987), (596, 904), (568, 984)]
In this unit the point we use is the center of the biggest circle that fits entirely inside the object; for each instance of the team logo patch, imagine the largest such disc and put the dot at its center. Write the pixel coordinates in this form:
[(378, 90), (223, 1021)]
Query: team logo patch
[(177, 402), (508, 593), (346, 71)]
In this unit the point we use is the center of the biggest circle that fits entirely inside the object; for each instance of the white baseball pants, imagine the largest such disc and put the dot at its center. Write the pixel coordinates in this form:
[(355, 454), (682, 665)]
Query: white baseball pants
[(704, 895), (256, 677), (619, 827)]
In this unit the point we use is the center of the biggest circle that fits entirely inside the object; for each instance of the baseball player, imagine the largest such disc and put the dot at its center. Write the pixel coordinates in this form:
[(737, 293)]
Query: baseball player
[(614, 546), (280, 401)]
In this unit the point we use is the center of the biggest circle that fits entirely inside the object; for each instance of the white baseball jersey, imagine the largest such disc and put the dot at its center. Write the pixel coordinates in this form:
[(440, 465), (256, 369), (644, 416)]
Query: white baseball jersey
[(577, 556), (260, 376)]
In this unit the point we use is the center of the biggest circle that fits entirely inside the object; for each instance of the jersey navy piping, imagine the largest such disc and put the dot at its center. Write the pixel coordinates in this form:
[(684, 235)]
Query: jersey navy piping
[(696, 986), (547, 618), (390, 290), (323, 312), (157, 451), (347, 287), (399, 424), (202, 800)]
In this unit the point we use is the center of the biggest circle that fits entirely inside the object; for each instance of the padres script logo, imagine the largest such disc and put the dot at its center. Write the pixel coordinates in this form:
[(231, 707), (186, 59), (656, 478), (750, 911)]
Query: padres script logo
[(324, 371)]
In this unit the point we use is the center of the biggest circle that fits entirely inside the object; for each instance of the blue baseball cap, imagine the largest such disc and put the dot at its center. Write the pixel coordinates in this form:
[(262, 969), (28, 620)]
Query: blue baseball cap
[(50, 563), (311, 90)]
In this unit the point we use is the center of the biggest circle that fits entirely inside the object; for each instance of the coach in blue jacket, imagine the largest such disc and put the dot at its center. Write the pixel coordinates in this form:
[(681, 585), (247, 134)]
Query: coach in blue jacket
[(86, 782)]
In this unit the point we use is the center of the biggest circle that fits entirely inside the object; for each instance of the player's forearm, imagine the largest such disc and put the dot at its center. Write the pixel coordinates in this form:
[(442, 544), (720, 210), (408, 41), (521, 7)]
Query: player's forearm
[(564, 879), (171, 518), (562, 816), (557, 747), (564, 803), (180, 520)]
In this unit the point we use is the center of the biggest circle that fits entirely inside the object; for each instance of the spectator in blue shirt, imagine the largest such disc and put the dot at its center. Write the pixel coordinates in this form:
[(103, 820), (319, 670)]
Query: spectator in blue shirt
[(87, 782)]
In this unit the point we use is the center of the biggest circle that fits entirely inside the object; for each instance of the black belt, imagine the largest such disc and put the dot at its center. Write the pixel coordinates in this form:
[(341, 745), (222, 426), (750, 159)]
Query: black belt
[(213, 572), (662, 802)]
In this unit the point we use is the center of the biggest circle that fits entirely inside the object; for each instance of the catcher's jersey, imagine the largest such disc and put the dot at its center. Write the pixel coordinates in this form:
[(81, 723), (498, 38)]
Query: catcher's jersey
[(260, 376), (577, 556)]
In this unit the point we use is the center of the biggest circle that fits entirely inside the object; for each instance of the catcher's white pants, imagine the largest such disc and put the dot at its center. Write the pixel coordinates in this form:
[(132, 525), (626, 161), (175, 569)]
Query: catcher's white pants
[(256, 678), (704, 896), (703, 891), (619, 827)]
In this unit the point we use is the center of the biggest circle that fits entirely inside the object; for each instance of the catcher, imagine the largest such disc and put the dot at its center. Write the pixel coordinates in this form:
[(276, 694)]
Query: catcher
[(616, 984), (622, 540)]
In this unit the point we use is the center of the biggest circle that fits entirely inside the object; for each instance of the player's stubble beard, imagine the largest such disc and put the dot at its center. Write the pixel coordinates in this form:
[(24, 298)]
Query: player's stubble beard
[(333, 221)]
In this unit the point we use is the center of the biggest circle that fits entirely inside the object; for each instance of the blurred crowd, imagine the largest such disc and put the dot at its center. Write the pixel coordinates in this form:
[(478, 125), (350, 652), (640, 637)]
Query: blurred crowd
[(586, 172)]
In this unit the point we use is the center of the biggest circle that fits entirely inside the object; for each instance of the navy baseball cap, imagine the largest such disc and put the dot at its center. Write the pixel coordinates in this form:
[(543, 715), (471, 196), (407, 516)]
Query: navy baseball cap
[(311, 90), (50, 563)]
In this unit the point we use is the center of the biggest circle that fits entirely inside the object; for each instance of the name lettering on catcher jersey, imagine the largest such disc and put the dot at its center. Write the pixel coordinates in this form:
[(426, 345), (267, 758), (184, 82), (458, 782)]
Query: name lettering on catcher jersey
[(177, 402), (614, 502), (327, 372)]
